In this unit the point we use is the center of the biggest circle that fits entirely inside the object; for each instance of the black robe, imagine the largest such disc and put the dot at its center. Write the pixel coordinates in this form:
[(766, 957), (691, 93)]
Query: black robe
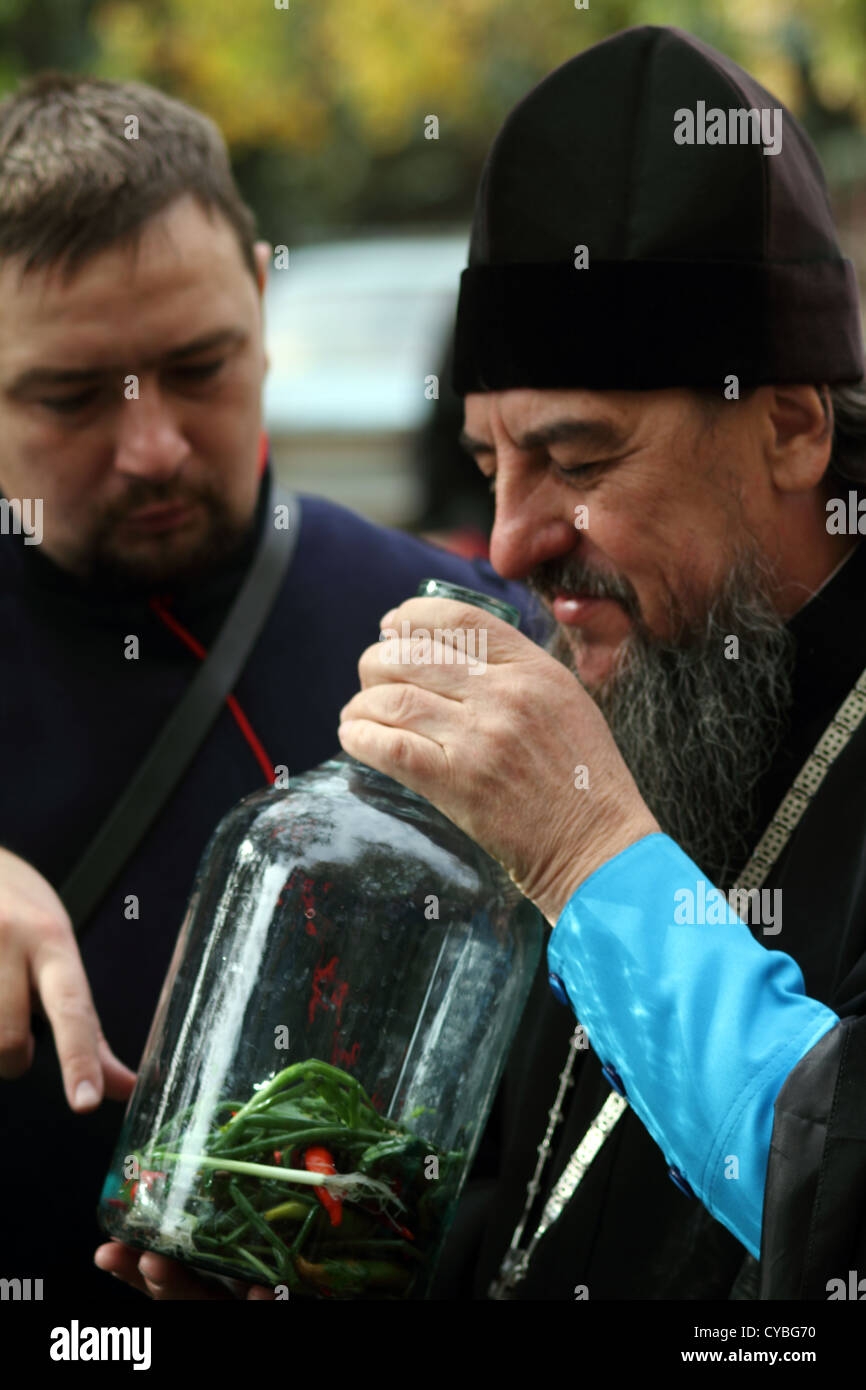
[(629, 1232)]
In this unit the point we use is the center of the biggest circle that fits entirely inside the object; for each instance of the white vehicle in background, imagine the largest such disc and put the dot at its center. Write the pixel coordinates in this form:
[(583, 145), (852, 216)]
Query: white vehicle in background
[(354, 332)]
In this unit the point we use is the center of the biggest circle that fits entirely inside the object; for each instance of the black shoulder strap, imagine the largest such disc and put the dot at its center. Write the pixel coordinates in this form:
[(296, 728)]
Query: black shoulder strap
[(181, 736)]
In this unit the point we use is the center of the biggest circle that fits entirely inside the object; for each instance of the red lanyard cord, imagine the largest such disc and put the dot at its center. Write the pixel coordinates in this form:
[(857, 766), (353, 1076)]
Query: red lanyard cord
[(240, 718)]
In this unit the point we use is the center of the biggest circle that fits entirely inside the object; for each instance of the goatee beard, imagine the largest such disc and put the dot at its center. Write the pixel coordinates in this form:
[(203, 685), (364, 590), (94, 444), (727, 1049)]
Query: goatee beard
[(111, 570), (698, 718)]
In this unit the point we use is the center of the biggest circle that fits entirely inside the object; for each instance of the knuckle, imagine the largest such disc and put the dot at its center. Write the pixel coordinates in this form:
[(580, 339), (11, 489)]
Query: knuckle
[(523, 701), (408, 701), (32, 927), (71, 1005), (76, 1064), (494, 732), (401, 750), (50, 937)]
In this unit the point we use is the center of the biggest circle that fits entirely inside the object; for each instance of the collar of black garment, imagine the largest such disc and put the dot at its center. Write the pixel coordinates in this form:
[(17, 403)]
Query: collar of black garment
[(831, 638), (830, 654), (26, 570)]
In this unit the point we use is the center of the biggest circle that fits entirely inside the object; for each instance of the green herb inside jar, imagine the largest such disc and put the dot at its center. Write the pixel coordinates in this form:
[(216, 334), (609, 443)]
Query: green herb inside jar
[(305, 1185)]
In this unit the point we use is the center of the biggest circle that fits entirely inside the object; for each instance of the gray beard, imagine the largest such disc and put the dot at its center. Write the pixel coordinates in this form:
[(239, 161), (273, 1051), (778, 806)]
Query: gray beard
[(697, 730)]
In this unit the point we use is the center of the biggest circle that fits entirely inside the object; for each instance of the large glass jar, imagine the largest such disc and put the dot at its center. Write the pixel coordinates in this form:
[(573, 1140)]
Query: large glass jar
[(335, 1020)]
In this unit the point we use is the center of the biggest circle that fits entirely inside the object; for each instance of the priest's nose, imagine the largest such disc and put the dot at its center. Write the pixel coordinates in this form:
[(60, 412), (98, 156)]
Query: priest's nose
[(530, 526)]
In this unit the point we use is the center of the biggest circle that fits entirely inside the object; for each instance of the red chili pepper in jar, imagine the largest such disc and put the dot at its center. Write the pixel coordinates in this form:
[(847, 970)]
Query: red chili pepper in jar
[(319, 1160), (149, 1176)]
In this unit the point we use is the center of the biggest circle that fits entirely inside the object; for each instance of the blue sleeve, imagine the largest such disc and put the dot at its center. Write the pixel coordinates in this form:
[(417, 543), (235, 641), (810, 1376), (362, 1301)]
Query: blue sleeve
[(699, 1022)]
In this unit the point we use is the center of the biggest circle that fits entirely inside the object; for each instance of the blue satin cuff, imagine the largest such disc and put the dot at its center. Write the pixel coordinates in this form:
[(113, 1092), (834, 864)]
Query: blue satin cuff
[(700, 1021)]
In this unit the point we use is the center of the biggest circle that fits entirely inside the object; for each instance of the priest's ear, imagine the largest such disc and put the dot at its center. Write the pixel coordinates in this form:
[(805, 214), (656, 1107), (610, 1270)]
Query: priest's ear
[(798, 435)]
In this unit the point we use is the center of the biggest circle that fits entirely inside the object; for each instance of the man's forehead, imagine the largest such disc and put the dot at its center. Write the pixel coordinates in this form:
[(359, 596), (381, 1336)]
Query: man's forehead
[(184, 280)]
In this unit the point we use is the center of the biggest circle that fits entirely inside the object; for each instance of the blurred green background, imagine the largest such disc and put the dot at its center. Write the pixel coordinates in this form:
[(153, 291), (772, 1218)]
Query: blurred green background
[(323, 104)]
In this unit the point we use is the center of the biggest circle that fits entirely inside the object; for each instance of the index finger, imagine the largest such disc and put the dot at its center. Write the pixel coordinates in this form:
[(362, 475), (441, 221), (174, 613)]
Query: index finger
[(62, 985), (440, 632)]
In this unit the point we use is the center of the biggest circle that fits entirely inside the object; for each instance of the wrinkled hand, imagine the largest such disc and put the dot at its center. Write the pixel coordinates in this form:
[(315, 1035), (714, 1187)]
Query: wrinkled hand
[(161, 1278), (496, 748), (40, 964)]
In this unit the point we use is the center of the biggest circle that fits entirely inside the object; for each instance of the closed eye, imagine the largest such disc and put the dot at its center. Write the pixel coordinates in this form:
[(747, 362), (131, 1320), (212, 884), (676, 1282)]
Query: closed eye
[(578, 470), (68, 404), (191, 373), (198, 371)]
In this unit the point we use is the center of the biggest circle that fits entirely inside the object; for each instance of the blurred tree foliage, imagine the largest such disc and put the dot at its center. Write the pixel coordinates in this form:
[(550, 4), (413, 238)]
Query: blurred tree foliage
[(324, 102)]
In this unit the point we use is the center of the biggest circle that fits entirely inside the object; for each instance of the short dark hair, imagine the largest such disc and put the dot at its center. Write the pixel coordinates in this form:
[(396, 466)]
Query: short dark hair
[(848, 460), (72, 183)]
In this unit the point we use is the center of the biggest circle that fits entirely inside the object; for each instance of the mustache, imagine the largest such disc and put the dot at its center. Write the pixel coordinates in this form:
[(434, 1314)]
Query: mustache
[(554, 577), (143, 493)]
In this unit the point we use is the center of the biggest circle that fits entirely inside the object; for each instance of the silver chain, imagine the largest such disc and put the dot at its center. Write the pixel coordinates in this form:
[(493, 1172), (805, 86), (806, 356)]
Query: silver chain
[(516, 1261)]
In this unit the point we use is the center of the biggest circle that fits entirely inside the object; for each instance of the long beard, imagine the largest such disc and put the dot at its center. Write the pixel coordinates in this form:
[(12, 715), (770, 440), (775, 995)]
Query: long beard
[(698, 728)]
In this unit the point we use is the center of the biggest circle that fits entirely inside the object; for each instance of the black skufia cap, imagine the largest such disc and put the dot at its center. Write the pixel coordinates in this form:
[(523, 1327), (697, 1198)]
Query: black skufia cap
[(704, 260)]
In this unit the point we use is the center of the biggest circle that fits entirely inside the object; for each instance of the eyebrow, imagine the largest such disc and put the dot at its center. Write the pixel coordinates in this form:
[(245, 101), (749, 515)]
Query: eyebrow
[(64, 376), (593, 434)]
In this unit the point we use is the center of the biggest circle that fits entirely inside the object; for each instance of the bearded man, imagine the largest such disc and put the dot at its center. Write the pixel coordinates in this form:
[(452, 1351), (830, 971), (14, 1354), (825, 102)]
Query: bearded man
[(657, 342)]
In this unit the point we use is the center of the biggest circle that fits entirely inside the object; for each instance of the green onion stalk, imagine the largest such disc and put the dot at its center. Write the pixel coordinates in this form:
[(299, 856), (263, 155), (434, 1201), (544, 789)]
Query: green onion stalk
[(307, 1187)]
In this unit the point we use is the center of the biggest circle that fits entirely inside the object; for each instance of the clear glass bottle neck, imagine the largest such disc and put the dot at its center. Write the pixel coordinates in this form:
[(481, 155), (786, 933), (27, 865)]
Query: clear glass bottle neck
[(443, 588)]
